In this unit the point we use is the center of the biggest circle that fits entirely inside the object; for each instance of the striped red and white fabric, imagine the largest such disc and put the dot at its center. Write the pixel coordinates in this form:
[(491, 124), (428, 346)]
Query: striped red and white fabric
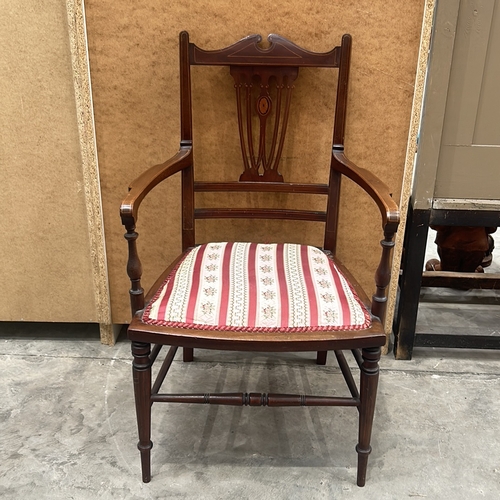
[(257, 287)]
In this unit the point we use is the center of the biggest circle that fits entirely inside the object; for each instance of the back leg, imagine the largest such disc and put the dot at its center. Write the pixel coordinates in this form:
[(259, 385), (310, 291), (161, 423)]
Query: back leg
[(321, 357), (187, 354)]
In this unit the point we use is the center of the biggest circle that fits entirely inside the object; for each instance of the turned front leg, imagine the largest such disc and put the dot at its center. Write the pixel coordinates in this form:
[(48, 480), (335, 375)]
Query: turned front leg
[(368, 396), (141, 370)]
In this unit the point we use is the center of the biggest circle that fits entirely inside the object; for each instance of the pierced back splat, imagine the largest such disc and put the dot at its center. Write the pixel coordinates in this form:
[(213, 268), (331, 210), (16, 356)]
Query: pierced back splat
[(264, 80), (271, 105)]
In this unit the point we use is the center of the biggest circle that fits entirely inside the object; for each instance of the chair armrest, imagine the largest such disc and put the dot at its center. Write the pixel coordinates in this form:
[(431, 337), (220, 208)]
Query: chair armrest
[(143, 184), (373, 186)]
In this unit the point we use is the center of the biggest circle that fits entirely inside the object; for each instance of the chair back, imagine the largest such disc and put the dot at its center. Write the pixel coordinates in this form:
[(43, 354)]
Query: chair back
[(264, 80)]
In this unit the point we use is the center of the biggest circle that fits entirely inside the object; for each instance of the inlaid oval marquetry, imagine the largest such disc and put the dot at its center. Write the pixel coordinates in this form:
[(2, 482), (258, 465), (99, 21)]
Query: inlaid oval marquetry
[(263, 105)]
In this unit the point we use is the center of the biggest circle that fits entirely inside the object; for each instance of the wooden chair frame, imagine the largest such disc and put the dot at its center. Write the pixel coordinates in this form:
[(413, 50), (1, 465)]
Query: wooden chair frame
[(284, 58)]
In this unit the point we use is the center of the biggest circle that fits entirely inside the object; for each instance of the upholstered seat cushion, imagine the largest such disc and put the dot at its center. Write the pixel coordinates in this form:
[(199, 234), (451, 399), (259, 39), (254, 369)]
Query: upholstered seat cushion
[(257, 287)]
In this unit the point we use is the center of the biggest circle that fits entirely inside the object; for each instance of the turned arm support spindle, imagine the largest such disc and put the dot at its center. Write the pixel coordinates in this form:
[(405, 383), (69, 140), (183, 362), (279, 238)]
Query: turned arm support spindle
[(383, 275), (134, 269)]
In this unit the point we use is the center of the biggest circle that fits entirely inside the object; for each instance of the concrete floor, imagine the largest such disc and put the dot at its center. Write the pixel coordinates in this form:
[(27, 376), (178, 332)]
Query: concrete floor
[(67, 426)]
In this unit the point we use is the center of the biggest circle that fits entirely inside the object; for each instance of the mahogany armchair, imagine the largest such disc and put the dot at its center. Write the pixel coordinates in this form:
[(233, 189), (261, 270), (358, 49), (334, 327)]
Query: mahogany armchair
[(252, 296)]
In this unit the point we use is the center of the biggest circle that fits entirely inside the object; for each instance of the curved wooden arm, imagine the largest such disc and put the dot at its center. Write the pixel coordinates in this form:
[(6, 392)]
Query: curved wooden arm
[(141, 186), (373, 186)]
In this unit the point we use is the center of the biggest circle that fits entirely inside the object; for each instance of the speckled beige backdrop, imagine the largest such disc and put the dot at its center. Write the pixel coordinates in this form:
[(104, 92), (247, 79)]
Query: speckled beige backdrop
[(45, 250), (133, 51)]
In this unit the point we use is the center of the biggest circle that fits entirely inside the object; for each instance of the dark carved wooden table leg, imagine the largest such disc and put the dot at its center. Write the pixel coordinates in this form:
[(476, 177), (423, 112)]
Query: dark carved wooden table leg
[(368, 395), (141, 369)]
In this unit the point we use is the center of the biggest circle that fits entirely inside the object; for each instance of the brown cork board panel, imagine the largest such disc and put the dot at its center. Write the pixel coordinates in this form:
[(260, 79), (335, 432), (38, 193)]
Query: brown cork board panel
[(45, 250), (134, 69)]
